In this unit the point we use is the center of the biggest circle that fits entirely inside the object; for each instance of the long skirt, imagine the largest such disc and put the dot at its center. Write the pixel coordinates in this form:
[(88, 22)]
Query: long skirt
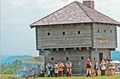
[(69, 71), (109, 72), (102, 72)]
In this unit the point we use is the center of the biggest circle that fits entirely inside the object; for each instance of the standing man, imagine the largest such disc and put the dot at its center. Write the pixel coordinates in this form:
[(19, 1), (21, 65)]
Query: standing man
[(88, 67), (60, 68), (69, 68), (49, 68), (96, 67)]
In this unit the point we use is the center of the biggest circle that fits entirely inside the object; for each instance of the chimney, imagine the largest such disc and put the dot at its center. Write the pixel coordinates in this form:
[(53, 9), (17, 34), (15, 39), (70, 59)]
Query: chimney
[(89, 3)]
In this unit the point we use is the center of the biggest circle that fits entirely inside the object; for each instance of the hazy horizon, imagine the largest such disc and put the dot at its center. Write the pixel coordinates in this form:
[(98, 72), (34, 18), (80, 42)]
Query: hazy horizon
[(17, 38)]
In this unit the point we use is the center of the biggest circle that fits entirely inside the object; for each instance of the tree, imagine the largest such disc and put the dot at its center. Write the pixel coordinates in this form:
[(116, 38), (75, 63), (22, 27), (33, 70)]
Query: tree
[(17, 64), (9, 71), (4, 66)]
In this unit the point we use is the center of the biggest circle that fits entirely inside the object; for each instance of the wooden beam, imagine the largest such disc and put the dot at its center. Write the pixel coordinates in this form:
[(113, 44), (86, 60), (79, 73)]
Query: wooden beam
[(87, 48), (61, 25), (82, 24), (79, 48), (96, 49), (75, 48), (64, 49), (51, 49), (57, 49), (50, 25)]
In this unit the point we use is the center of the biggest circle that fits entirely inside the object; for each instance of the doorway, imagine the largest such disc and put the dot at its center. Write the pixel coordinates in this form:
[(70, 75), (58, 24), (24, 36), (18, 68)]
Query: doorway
[(100, 57)]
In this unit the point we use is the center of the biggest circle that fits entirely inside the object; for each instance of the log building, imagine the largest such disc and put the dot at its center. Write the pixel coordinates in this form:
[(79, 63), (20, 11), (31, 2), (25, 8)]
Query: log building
[(76, 32)]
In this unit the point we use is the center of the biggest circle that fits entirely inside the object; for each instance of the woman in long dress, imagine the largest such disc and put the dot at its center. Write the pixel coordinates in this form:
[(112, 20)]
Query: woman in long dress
[(69, 68), (56, 69), (103, 67)]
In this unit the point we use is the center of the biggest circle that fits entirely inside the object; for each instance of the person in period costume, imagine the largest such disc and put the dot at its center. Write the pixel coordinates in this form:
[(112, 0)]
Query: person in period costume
[(56, 69), (96, 67), (113, 68), (88, 67), (60, 68), (103, 67), (109, 71), (69, 68), (49, 68)]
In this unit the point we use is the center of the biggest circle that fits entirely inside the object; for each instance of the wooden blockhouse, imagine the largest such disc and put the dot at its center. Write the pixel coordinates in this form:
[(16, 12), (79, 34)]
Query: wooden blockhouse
[(76, 32)]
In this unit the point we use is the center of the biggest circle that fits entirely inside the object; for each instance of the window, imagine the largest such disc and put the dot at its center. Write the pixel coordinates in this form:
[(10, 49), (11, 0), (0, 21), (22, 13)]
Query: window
[(49, 34), (98, 30), (104, 30), (78, 32), (67, 58), (110, 31), (82, 58), (63, 33), (52, 58)]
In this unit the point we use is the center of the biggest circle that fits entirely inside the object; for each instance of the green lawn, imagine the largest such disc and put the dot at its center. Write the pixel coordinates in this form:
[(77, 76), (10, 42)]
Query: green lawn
[(117, 76)]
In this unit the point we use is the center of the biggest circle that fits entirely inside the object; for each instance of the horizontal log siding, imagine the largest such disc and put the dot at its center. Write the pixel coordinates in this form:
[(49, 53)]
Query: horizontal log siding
[(95, 54), (104, 39), (56, 39), (74, 56)]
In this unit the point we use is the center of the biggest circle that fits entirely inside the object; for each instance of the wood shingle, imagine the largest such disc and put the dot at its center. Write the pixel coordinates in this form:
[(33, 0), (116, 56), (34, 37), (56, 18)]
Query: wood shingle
[(75, 12)]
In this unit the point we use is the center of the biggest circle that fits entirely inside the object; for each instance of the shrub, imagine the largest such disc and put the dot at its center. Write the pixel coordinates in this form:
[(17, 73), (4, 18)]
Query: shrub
[(9, 71)]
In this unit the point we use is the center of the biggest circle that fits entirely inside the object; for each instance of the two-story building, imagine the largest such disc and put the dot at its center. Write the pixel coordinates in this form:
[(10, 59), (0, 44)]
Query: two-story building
[(76, 32)]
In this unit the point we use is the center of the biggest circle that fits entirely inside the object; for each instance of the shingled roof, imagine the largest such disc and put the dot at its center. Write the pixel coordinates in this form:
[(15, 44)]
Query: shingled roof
[(75, 12)]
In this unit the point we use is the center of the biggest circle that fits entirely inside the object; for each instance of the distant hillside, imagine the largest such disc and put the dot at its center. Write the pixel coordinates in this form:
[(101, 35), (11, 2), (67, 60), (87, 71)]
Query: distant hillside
[(115, 55), (4, 57), (9, 59)]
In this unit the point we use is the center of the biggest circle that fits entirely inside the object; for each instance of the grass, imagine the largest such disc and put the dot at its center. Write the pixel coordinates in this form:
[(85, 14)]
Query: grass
[(117, 76), (6, 76)]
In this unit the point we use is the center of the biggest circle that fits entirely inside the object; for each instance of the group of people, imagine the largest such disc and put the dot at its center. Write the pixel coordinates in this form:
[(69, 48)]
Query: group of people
[(58, 68), (106, 67)]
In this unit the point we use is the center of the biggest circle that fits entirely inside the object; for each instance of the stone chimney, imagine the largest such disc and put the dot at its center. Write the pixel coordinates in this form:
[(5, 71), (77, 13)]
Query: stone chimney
[(89, 3)]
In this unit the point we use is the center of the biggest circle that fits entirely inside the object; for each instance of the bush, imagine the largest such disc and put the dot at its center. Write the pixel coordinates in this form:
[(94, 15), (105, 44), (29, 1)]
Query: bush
[(9, 71)]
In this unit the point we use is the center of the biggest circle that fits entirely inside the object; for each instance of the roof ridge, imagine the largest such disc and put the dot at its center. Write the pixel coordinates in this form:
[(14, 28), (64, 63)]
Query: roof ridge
[(105, 15), (55, 11), (83, 14), (79, 4)]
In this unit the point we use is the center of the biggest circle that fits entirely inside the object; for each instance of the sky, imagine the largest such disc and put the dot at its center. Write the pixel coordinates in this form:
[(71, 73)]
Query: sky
[(16, 36)]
